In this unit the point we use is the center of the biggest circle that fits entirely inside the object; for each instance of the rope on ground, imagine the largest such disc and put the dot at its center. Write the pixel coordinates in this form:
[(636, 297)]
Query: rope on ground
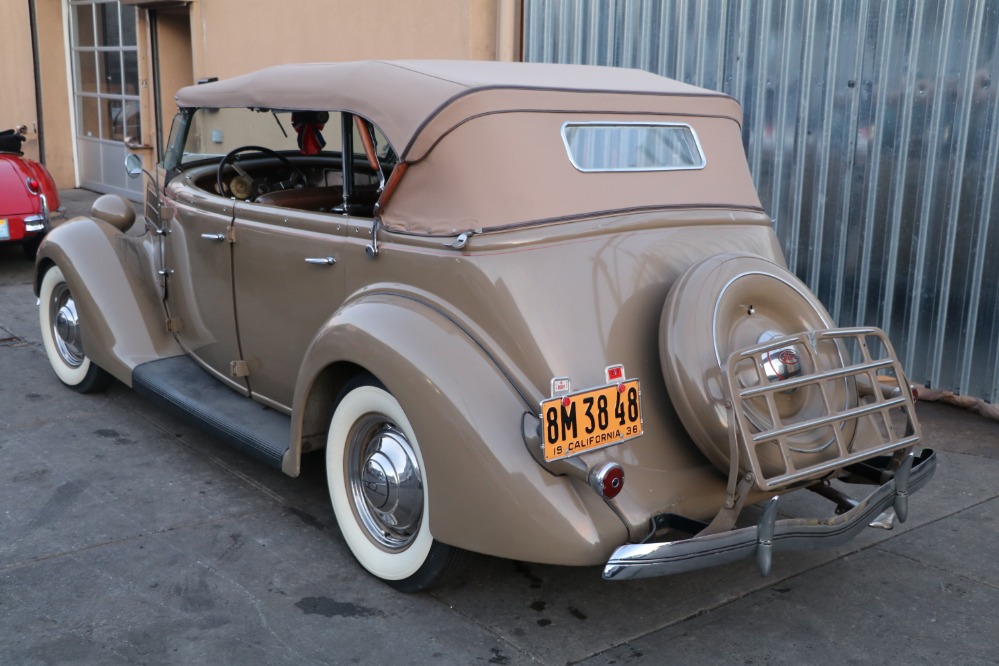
[(975, 405)]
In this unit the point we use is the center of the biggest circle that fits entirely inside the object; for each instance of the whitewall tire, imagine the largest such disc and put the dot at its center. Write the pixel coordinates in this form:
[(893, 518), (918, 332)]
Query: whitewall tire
[(378, 488), (60, 326)]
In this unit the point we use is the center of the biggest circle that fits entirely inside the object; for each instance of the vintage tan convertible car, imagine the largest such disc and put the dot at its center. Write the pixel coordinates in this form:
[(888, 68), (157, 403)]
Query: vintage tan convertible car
[(535, 311)]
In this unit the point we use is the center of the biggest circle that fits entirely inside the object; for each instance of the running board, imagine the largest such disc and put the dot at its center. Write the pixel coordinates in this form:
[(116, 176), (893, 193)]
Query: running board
[(191, 393)]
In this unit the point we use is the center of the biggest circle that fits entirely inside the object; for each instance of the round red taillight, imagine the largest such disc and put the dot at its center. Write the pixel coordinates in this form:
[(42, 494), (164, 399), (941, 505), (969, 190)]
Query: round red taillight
[(32, 185), (608, 480)]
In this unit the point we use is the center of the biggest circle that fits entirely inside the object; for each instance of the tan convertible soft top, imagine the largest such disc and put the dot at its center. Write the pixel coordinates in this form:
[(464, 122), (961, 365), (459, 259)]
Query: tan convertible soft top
[(415, 102), (483, 140)]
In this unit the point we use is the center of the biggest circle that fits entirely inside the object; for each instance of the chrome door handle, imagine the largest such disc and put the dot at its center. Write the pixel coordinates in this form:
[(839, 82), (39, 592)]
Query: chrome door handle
[(213, 237), (320, 261)]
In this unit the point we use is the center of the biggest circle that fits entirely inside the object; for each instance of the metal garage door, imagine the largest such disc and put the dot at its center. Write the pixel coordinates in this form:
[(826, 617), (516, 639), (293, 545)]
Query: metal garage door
[(872, 130)]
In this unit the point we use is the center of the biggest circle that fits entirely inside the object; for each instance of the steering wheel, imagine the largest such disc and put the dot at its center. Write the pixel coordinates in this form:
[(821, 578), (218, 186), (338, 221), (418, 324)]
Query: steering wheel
[(251, 187)]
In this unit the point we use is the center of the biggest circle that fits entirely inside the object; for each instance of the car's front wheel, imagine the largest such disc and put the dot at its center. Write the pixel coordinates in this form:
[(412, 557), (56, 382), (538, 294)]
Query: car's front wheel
[(378, 487), (60, 325)]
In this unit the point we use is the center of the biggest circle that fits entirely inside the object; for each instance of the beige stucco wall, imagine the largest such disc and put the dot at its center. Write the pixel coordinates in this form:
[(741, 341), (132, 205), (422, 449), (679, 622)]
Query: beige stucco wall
[(16, 74), (55, 80), (236, 36), (17, 82), (177, 69), (229, 37)]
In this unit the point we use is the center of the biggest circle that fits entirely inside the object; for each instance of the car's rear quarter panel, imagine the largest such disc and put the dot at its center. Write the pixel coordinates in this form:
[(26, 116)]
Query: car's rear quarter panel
[(562, 300), (486, 493)]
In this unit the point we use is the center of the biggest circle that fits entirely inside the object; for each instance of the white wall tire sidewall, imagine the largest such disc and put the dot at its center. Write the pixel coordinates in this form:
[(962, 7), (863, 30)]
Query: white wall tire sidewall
[(67, 375), (386, 565)]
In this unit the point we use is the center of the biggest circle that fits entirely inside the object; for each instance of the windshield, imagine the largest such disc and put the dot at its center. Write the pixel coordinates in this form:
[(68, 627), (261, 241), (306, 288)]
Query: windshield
[(213, 133)]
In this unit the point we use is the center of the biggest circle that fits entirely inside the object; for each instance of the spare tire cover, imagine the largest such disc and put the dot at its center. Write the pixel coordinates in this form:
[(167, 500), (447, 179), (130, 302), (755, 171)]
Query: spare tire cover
[(729, 302)]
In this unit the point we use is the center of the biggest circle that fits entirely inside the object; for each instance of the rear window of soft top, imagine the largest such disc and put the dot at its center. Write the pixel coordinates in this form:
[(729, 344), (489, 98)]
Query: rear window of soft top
[(632, 146)]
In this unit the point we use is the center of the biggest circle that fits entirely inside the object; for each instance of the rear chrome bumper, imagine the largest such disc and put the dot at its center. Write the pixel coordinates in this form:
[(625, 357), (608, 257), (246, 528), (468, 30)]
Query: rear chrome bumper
[(38, 223), (646, 560)]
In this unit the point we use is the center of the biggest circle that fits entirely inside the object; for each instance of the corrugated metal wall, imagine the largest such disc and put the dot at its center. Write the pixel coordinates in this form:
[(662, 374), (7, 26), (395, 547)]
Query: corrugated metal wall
[(872, 129)]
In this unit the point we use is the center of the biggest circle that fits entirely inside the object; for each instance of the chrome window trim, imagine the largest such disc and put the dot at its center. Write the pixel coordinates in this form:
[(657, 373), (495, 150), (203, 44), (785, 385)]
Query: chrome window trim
[(608, 123)]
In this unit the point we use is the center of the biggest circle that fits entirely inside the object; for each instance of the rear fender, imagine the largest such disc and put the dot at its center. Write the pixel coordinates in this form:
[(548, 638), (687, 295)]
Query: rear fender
[(484, 484), (48, 187), (114, 282)]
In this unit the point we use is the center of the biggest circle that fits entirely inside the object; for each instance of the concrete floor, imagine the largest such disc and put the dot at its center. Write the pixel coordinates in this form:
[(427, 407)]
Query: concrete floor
[(127, 537)]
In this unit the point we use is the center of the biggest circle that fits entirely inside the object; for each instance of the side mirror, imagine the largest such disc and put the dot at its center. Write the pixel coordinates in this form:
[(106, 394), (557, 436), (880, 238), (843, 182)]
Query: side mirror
[(133, 165)]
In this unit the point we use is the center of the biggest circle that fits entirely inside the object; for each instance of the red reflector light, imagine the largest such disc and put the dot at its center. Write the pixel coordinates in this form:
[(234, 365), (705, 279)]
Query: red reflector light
[(32, 185), (608, 480)]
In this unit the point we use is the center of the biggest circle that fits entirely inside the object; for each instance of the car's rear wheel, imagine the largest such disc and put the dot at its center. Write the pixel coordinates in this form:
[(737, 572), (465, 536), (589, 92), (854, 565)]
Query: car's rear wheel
[(378, 487), (60, 325)]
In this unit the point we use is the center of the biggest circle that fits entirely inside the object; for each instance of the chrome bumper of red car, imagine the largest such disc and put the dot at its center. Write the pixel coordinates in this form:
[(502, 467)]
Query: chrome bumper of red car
[(35, 223), (646, 560), (40, 222)]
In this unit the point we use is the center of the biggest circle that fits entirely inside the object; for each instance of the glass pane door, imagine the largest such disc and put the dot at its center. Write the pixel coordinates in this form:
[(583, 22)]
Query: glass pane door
[(106, 93)]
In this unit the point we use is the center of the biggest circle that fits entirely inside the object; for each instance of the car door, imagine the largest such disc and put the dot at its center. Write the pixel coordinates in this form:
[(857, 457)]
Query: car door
[(288, 281), (199, 291)]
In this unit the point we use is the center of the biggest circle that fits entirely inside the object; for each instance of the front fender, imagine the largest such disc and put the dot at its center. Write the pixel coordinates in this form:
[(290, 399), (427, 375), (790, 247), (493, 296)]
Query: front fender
[(486, 492), (112, 277)]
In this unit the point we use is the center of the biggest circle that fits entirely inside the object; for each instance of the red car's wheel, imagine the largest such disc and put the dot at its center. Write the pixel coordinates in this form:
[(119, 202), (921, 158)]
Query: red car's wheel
[(60, 324)]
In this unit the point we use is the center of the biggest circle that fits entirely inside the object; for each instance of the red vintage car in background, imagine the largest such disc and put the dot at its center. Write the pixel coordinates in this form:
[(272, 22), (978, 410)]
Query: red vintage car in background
[(28, 195)]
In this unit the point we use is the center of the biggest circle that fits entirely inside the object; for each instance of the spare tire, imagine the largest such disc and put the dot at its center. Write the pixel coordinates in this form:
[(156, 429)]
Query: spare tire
[(731, 302)]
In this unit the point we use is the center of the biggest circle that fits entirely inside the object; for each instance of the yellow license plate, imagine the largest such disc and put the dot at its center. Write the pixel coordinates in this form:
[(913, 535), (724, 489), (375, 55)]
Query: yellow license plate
[(592, 419), (4, 229)]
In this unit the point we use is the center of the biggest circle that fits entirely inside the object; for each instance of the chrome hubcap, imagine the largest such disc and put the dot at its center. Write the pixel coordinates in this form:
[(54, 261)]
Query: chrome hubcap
[(386, 483), (779, 364), (66, 327), (782, 364)]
